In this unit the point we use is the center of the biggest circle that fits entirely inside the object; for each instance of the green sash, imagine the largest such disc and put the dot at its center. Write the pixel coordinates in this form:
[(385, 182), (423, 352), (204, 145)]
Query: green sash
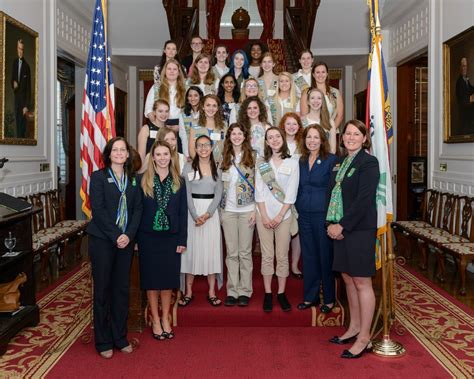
[(268, 177), (301, 83)]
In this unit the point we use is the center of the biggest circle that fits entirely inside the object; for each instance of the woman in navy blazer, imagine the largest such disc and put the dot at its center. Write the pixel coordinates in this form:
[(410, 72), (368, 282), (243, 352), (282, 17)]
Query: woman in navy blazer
[(116, 204), (352, 223), (316, 164), (163, 232)]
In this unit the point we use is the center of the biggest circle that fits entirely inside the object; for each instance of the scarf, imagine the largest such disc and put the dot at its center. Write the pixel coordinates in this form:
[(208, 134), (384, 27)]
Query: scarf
[(162, 194), (122, 213), (336, 209)]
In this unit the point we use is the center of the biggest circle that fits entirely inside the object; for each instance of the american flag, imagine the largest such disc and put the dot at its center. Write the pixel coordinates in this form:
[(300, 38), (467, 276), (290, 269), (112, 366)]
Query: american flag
[(98, 121)]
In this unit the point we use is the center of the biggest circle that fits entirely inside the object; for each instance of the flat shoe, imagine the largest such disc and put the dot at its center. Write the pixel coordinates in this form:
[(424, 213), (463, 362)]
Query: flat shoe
[(302, 306), (230, 301), (107, 354), (326, 309), (127, 349), (243, 301)]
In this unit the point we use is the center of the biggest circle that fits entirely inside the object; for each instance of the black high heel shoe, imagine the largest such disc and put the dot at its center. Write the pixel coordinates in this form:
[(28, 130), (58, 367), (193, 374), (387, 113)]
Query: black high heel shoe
[(344, 341), (348, 355)]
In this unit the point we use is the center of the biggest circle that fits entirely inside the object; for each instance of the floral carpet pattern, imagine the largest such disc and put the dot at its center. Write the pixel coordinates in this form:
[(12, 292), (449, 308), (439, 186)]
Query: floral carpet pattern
[(64, 313), (445, 329)]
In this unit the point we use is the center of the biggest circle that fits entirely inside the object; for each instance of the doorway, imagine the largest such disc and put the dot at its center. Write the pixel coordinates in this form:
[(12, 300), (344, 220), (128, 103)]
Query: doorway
[(412, 136)]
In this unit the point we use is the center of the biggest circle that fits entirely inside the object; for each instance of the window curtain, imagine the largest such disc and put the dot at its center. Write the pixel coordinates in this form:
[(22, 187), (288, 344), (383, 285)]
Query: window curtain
[(65, 76), (267, 14), (214, 14)]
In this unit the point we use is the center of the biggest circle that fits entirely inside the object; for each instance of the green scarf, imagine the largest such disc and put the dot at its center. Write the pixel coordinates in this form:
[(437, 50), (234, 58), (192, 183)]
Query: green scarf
[(336, 209), (162, 194)]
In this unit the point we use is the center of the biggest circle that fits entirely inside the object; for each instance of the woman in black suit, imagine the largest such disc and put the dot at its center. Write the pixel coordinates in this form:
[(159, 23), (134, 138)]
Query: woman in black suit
[(116, 204), (162, 234), (352, 224)]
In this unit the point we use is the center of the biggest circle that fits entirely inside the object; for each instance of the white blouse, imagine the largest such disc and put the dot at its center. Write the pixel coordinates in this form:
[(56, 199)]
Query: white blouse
[(287, 177)]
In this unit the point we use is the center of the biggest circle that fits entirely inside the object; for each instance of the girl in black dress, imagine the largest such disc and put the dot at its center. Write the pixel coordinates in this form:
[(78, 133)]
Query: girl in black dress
[(162, 234)]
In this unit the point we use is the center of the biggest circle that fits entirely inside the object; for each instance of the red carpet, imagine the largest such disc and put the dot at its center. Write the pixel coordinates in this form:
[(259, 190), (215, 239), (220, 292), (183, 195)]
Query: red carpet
[(200, 313), (245, 353)]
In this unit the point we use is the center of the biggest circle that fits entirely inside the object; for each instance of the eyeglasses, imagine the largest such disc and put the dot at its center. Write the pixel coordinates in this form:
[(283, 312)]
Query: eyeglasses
[(251, 86), (196, 43), (203, 145)]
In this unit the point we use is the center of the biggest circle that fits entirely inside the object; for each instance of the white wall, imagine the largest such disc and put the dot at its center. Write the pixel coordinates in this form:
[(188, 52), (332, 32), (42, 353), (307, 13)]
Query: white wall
[(450, 18), (22, 174)]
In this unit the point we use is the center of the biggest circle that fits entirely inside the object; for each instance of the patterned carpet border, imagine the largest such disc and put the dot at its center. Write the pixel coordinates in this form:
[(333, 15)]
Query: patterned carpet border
[(443, 328), (64, 314)]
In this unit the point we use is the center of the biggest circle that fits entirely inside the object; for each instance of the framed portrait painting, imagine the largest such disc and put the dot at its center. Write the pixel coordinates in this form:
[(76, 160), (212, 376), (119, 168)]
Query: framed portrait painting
[(459, 87), (18, 83)]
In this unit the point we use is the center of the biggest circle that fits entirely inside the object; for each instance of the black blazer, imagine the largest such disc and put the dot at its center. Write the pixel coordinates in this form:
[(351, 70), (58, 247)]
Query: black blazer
[(358, 192), (177, 212), (104, 197)]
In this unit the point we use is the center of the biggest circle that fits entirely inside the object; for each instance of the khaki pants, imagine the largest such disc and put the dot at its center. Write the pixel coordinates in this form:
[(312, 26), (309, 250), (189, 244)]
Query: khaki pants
[(275, 242), (238, 240)]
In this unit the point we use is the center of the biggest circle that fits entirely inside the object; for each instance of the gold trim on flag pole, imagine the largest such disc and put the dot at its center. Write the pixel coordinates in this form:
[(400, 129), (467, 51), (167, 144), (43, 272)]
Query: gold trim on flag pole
[(385, 347)]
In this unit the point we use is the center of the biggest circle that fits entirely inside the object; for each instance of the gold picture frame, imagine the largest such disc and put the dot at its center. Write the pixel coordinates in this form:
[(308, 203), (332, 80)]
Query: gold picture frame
[(458, 55), (18, 102)]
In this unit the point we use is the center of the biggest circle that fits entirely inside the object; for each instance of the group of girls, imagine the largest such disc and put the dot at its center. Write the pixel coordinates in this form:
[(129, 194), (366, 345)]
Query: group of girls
[(234, 148)]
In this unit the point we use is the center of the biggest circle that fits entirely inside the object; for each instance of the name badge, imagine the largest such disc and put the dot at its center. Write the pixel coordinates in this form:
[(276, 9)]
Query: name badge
[(285, 170), (194, 176), (153, 133), (110, 180), (271, 92), (225, 177), (215, 136)]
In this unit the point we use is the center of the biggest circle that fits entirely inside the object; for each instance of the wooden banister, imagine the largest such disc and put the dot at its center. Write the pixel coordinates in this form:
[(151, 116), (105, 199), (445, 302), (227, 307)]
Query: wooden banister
[(299, 26), (183, 22)]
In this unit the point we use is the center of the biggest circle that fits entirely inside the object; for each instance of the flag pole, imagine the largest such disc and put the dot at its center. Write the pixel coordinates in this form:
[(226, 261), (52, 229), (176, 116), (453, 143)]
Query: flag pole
[(386, 347)]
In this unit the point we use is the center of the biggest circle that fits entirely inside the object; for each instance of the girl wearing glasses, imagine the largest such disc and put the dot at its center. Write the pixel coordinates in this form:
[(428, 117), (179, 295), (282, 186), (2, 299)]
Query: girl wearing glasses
[(204, 245)]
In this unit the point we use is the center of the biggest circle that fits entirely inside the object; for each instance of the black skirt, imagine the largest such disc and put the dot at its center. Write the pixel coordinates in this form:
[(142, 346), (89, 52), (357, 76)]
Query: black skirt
[(160, 264), (355, 254)]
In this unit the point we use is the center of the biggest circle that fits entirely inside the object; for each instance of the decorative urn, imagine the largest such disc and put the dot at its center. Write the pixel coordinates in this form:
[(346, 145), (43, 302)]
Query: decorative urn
[(240, 19)]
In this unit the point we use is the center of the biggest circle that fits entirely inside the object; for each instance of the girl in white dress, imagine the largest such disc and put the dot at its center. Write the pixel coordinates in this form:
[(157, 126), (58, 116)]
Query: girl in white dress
[(204, 247)]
